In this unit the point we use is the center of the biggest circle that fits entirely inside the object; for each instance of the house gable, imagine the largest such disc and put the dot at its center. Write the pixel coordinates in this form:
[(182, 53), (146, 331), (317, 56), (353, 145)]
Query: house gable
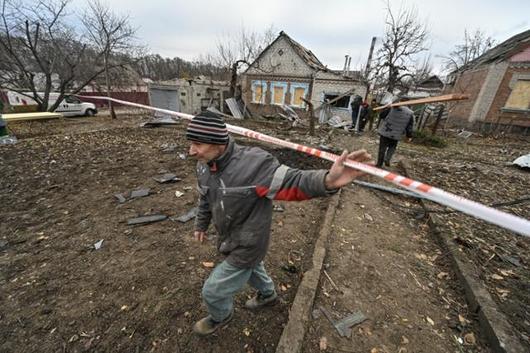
[(280, 58)]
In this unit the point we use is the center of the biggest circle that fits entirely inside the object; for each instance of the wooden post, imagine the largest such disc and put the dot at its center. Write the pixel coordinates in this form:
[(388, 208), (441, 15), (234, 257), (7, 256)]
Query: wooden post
[(438, 118), (311, 117)]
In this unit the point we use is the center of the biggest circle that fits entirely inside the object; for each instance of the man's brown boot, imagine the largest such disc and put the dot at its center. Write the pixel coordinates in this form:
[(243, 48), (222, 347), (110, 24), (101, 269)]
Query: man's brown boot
[(259, 301), (207, 325)]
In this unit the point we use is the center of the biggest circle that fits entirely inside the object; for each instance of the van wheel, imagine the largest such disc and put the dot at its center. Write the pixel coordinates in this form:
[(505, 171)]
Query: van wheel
[(90, 112)]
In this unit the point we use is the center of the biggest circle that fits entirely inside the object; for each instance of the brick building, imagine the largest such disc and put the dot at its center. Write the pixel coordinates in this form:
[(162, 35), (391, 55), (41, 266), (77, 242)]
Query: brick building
[(498, 83), (285, 72)]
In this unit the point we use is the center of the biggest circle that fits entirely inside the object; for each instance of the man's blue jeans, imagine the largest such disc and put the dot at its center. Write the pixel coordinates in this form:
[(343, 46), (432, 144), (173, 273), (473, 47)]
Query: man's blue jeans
[(226, 280)]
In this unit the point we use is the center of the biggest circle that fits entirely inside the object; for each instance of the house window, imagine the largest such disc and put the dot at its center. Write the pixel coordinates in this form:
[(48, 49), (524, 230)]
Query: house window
[(259, 90), (339, 103), (279, 89), (298, 91), (520, 96)]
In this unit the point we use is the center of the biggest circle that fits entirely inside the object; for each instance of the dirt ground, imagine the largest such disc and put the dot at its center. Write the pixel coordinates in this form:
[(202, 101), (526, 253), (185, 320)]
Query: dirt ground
[(140, 292)]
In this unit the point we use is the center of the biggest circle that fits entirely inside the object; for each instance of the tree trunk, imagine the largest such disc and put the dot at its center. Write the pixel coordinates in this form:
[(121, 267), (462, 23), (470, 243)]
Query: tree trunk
[(438, 118), (107, 83)]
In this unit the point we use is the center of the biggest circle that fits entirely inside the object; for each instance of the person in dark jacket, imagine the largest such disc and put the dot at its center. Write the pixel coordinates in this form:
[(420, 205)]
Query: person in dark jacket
[(237, 186), (394, 123)]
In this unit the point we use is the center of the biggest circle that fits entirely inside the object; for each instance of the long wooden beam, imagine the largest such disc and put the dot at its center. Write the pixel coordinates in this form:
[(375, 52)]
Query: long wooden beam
[(444, 98)]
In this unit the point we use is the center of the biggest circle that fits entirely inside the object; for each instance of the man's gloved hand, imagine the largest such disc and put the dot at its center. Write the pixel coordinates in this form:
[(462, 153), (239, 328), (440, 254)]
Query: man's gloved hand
[(200, 236)]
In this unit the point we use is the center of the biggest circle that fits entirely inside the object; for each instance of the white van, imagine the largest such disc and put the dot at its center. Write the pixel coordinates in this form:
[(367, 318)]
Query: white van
[(70, 105)]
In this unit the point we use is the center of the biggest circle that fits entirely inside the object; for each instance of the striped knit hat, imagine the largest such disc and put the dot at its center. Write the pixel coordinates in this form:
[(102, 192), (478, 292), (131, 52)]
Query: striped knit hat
[(207, 127)]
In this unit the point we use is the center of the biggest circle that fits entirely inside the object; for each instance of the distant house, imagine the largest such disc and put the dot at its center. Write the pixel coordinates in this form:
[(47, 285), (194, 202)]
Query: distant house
[(285, 72), (189, 95), (431, 86), (498, 83)]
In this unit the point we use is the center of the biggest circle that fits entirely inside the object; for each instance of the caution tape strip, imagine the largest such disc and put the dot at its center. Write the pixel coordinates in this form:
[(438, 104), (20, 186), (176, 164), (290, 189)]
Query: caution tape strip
[(505, 220)]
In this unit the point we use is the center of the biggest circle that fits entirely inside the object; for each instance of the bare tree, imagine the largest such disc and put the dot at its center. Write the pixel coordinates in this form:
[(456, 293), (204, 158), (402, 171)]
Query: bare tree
[(474, 45), (234, 52), (405, 37), (42, 52), (110, 34)]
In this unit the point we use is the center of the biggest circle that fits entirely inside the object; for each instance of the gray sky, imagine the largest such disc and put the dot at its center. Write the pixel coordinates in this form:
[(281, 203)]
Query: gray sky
[(329, 28)]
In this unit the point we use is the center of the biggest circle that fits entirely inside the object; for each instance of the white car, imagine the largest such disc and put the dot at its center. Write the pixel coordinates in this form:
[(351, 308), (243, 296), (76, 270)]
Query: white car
[(72, 106)]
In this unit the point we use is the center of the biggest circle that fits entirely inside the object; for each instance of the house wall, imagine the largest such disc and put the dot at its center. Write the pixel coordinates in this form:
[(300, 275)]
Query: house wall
[(469, 82), (323, 87), (495, 114)]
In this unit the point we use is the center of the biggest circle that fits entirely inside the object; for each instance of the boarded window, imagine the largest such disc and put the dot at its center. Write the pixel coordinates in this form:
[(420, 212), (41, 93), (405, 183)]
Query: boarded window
[(278, 95), (298, 91), (520, 96)]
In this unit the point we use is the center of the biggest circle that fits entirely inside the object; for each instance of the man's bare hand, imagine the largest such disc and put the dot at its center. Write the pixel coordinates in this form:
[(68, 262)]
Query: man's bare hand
[(340, 175), (200, 236)]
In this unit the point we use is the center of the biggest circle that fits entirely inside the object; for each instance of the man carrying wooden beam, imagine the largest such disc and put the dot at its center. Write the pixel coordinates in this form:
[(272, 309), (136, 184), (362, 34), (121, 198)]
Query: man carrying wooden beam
[(394, 123)]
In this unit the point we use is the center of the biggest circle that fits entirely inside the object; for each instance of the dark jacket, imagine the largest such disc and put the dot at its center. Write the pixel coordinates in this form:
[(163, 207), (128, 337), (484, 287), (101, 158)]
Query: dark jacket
[(396, 122), (236, 193)]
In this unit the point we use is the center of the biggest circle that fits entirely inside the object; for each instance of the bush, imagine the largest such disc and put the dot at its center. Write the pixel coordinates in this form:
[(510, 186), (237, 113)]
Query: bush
[(424, 138), (23, 108)]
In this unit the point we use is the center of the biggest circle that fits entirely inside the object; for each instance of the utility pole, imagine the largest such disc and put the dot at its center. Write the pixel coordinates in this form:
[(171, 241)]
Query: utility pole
[(368, 64)]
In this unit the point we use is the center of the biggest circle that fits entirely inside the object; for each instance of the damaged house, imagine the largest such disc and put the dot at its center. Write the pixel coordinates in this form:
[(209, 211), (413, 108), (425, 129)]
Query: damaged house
[(189, 95), (498, 83), (285, 72)]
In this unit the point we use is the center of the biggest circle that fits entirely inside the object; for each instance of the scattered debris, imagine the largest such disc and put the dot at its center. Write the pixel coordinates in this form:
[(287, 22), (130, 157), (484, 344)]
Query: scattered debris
[(178, 193), (470, 339), (8, 140), (98, 245), (388, 189), (208, 264), (146, 219), (120, 197), (523, 161), (344, 326), (331, 281), (278, 208), (289, 268), (168, 147), (290, 115), (323, 345), (166, 178), (123, 197), (234, 108), (337, 122), (3, 244), (191, 214), (139, 193), (429, 320), (182, 156)]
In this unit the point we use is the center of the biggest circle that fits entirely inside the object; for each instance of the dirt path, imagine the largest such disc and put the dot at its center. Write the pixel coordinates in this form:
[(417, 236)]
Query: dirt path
[(386, 266)]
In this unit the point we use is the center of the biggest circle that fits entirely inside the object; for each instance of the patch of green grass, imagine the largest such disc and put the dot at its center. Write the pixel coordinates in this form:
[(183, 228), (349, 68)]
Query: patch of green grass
[(424, 138)]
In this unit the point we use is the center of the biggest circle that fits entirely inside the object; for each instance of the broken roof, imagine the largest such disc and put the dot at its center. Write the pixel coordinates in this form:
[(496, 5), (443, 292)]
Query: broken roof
[(503, 51)]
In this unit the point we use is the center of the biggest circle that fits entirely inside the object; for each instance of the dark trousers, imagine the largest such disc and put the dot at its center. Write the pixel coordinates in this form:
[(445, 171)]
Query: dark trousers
[(387, 147)]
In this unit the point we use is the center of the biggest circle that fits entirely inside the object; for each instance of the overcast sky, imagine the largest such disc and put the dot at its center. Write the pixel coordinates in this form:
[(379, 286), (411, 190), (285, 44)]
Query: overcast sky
[(330, 28)]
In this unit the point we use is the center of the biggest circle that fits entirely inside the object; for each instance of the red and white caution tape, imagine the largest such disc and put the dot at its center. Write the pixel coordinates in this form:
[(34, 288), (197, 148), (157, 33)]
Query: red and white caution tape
[(488, 214)]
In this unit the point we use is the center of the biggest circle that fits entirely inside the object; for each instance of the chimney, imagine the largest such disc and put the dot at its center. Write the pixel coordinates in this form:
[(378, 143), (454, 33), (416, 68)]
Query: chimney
[(345, 64), (348, 68)]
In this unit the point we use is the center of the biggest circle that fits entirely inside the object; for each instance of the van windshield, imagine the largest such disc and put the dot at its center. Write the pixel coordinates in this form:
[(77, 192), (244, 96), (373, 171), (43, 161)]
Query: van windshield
[(70, 99)]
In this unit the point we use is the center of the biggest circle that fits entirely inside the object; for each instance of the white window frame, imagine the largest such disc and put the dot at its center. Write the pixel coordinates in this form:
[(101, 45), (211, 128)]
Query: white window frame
[(263, 85)]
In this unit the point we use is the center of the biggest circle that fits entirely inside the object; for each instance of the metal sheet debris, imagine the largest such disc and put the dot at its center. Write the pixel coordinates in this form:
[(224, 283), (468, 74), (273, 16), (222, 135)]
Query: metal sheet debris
[(120, 198), (166, 178), (160, 121), (146, 219), (344, 325), (98, 245), (388, 189), (191, 214), (523, 161), (234, 108), (139, 193)]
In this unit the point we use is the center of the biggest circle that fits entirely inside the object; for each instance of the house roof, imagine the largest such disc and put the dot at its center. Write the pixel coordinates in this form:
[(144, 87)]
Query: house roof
[(503, 51), (305, 54)]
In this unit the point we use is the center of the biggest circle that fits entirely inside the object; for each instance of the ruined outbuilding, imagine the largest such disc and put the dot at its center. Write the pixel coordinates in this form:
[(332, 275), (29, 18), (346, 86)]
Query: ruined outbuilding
[(498, 83), (285, 72)]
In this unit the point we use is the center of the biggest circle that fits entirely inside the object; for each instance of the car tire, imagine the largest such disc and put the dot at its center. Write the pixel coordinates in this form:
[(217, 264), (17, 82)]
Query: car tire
[(90, 112)]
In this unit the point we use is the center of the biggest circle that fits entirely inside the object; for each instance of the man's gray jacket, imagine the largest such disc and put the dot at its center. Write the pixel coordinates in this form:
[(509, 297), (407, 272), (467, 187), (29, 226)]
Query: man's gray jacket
[(396, 122), (236, 192)]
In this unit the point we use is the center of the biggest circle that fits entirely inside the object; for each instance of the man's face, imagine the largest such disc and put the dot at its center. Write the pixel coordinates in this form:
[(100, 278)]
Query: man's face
[(205, 152)]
